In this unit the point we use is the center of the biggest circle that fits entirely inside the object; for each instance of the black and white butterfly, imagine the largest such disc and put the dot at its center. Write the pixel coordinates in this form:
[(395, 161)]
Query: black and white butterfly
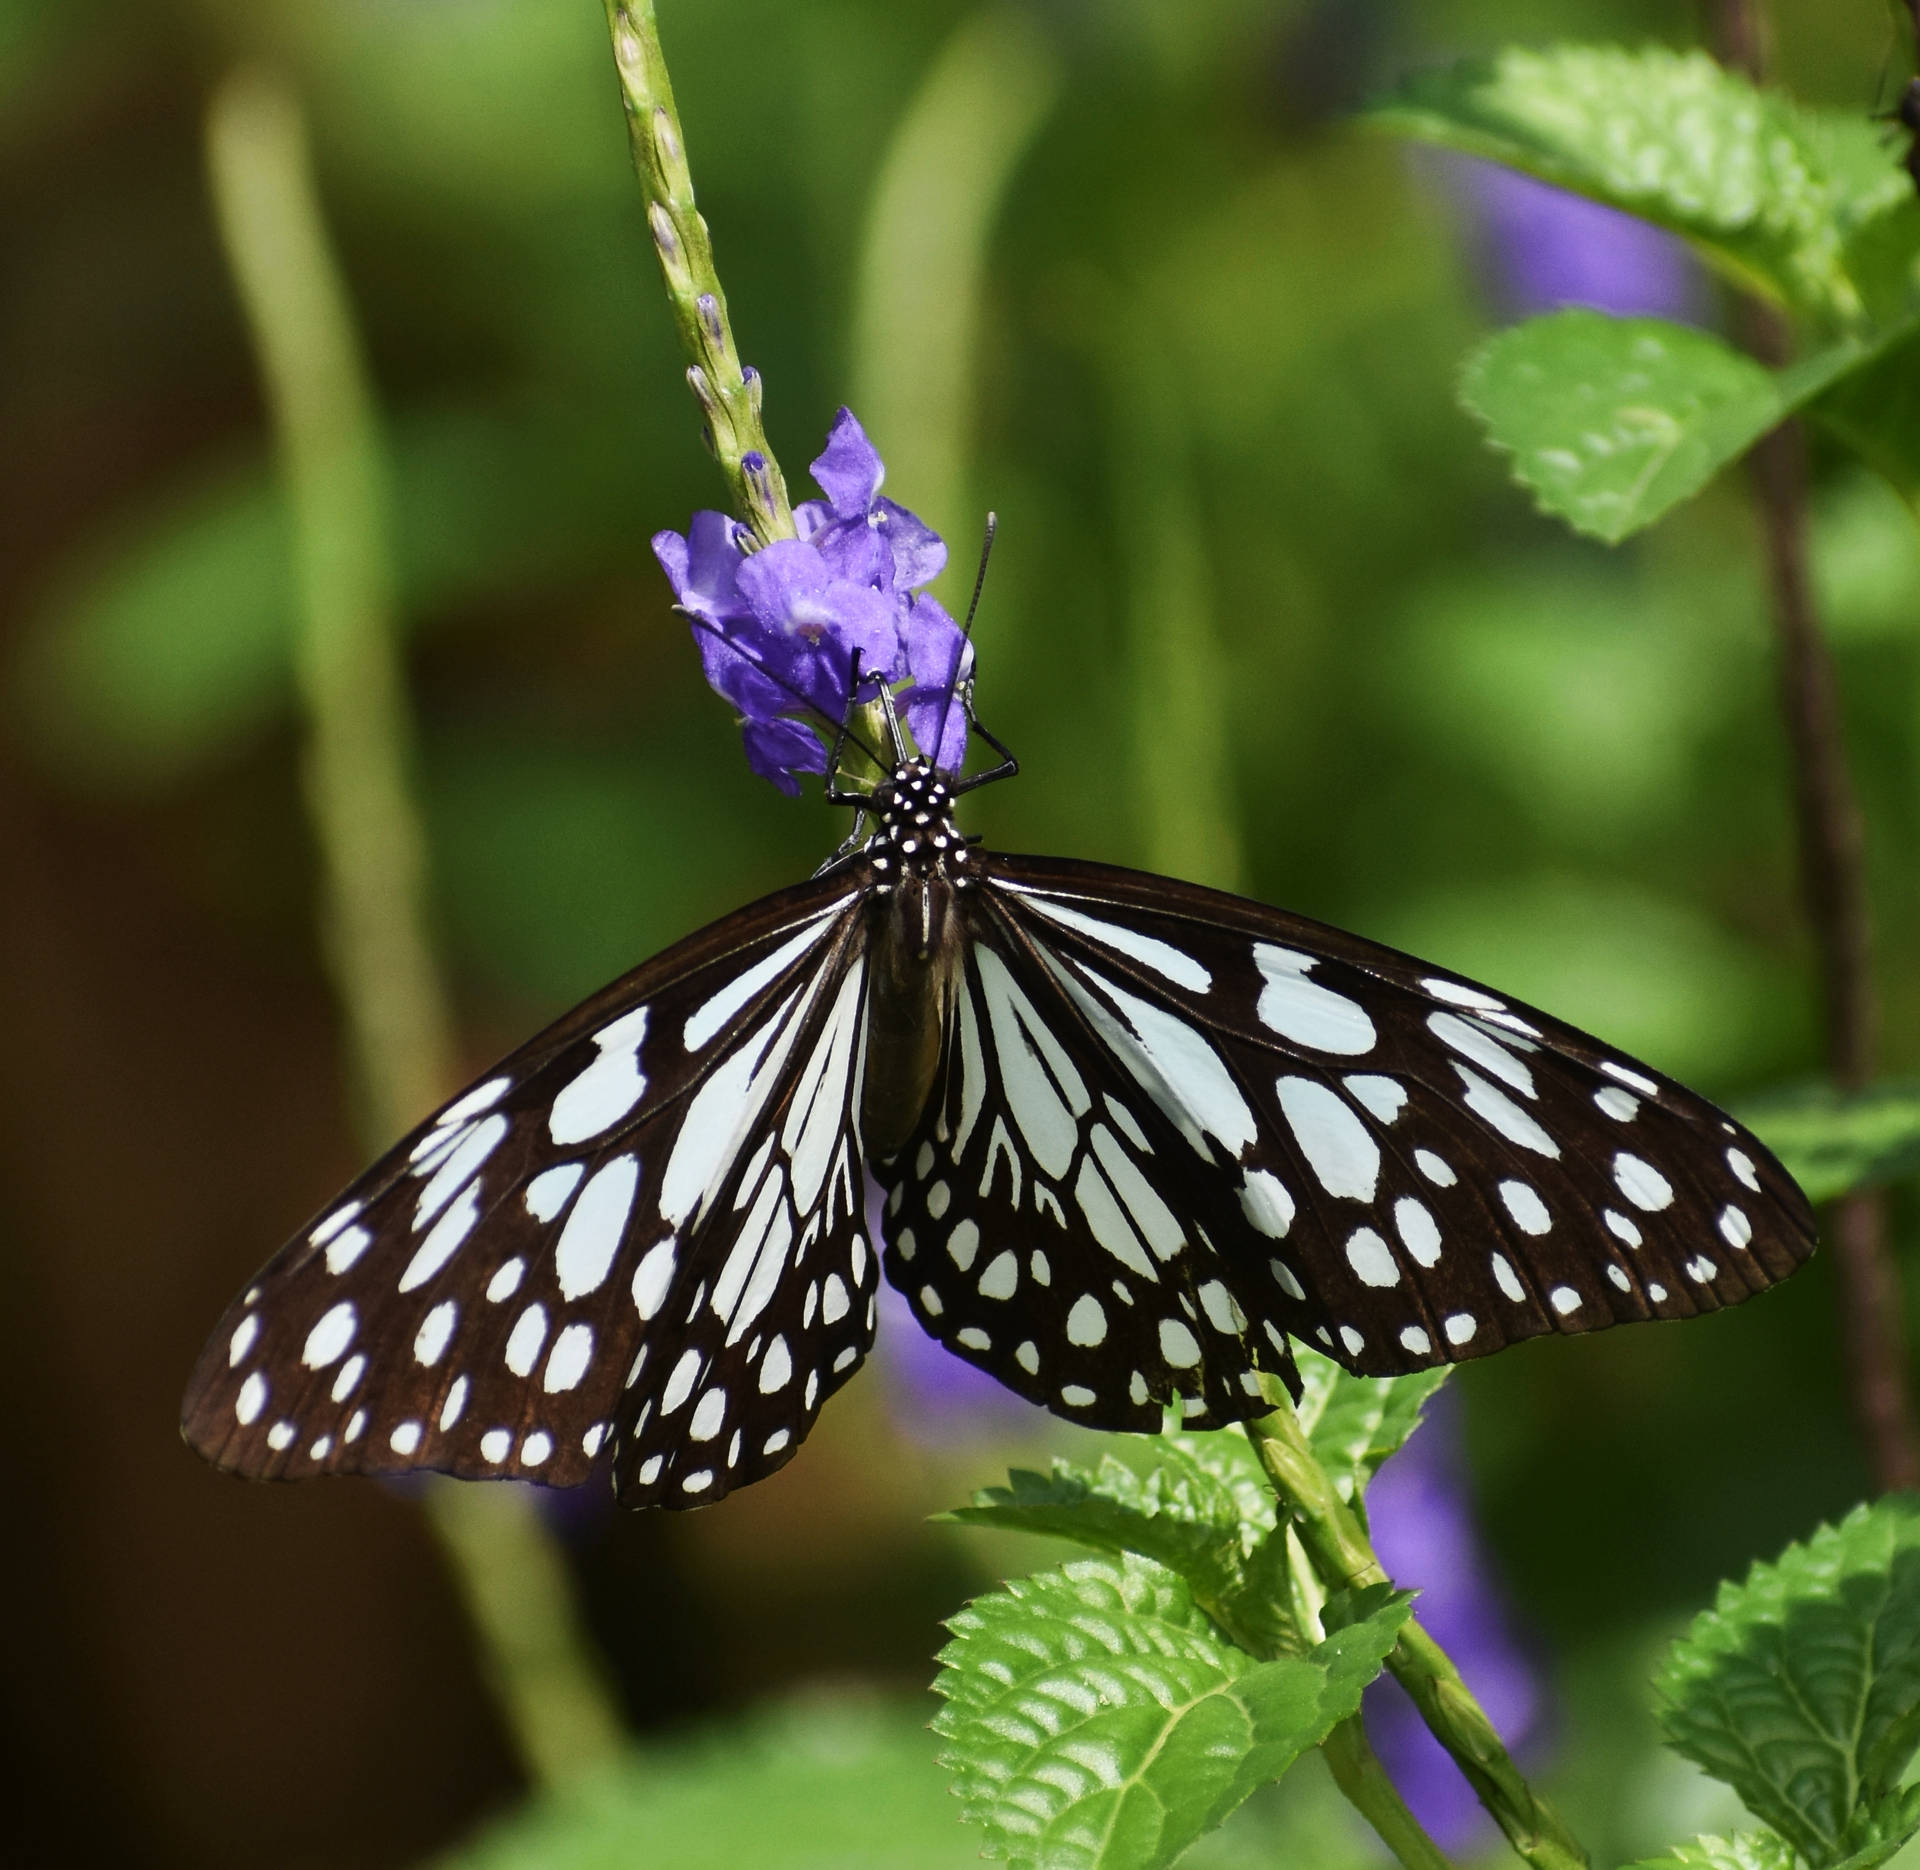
[(1127, 1137)]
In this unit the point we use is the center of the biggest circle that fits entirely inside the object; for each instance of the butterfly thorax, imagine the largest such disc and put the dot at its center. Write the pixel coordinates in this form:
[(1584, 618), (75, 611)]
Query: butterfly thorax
[(919, 863)]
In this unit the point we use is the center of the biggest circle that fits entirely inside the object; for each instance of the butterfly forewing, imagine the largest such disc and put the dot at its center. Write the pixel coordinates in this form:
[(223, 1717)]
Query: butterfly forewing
[(593, 1247)]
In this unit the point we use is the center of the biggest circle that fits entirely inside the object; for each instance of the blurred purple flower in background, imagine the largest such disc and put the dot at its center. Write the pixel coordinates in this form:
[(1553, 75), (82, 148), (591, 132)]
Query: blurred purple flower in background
[(1540, 248), (1424, 1533), (936, 1396), (778, 629)]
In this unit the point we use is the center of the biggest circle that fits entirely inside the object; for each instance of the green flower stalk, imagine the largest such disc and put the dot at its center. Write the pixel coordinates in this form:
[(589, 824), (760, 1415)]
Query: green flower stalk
[(1337, 1545), (727, 391)]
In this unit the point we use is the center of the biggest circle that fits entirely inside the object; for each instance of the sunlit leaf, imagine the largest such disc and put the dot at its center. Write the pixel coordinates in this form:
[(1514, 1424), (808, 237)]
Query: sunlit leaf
[(1610, 422), (1096, 1717), (1747, 1850), (1800, 1688)]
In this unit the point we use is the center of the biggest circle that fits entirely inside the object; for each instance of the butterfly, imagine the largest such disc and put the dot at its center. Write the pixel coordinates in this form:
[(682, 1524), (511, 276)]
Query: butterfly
[(1119, 1139)]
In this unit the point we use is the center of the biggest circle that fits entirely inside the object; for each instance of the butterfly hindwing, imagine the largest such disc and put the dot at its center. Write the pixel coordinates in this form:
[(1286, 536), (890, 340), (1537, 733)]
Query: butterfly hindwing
[(1050, 1223), (558, 1253), (1428, 1171)]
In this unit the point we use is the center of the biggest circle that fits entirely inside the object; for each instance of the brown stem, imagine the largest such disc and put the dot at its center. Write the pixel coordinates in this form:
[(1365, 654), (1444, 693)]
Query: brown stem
[(1832, 843)]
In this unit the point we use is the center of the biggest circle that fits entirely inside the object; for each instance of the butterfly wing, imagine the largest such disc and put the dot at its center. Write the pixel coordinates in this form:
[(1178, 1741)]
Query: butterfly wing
[(641, 1232), (1369, 1154)]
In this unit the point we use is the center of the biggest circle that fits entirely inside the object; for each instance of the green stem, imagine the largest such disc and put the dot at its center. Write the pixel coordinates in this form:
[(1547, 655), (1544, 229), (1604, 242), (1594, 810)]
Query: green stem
[(727, 392), (352, 687), (1338, 1546), (1358, 1773)]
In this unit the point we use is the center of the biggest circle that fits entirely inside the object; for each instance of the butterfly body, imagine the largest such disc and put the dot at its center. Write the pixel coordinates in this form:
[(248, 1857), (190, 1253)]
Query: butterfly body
[(1119, 1139)]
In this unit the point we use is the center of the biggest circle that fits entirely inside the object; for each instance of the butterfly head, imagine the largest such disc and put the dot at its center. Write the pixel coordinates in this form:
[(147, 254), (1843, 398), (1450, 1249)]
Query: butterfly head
[(914, 835)]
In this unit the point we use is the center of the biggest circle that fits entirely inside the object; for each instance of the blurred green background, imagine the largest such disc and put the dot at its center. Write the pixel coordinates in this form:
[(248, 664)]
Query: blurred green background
[(1116, 268)]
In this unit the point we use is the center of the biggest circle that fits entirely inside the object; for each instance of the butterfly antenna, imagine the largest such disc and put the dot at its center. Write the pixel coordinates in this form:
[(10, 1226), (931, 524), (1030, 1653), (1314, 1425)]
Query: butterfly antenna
[(842, 727), (954, 683)]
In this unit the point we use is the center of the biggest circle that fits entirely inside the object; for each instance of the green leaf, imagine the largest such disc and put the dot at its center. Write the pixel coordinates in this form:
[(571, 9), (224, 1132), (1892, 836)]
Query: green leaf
[(1612, 421), (1355, 1422), (821, 1783), (1880, 1831), (1767, 190), (1199, 1505), (1801, 1687), (1095, 1716), (1832, 1143), (1875, 410), (1749, 1850)]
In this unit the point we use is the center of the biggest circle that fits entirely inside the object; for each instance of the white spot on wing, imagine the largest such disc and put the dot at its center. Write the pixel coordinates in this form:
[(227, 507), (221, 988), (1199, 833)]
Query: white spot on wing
[(1384, 1098), (331, 1337), (1641, 1183), (548, 1192), (444, 1239), (1479, 1046), (435, 1333), (652, 1277), (345, 1248), (529, 1333), (1042, 1088), (1529, 1212), (1265, 1202), (1172, 1061), (251, 1400), (1499, 1110), (1305, 1013), (594, 1229), (1372, 1259), (1164, 959), (569, 1359), (1334, 1141), (707, 1018), (595, 1100)]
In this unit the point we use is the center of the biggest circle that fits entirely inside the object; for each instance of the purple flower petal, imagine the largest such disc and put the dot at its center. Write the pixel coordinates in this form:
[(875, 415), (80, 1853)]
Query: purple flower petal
[(779, 629), (849, 470), (856, 551), (782, 750), (704, 567), (919, 553), (1545, 248)]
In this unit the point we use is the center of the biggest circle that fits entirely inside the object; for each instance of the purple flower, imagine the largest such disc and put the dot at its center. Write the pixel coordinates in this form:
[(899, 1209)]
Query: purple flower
[(1543, 248), (1424, 1533), (778, 629)]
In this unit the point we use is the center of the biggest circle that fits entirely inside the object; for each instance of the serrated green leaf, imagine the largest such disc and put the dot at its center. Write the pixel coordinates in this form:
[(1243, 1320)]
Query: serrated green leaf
[(1831, 1143), (1610, 422), (1095, 1716), (1769, 191), (1355, 1423), (1875, 410), (1801, 1687), (1880, 1831), (1199, 1505), (1748, 1850)]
